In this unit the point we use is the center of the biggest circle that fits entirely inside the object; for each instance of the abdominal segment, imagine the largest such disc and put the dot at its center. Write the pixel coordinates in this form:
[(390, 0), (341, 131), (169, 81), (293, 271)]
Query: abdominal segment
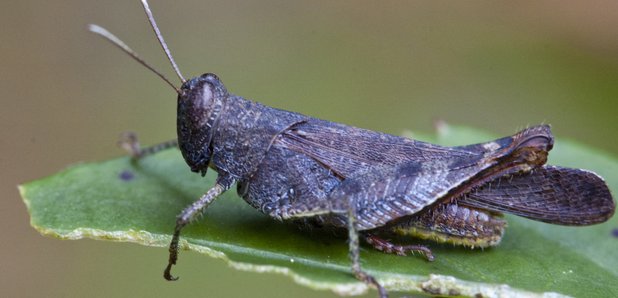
[(454, 224)]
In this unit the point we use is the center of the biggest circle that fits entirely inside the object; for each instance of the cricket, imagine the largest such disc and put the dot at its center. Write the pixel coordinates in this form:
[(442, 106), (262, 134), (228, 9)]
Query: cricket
[(293, 167)]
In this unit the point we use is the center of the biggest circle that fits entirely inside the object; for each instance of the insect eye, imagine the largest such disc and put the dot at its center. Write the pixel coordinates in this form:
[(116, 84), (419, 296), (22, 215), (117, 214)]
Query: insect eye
[(205, 98)]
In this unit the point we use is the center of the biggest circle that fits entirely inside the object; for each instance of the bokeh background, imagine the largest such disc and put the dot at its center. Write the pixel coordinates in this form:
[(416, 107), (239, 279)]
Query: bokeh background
[(389, 66)]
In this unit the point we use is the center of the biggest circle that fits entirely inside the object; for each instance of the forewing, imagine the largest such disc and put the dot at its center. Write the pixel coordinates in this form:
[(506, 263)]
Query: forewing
[(383, 194), (550, 194), (346, 150), (388, 177)]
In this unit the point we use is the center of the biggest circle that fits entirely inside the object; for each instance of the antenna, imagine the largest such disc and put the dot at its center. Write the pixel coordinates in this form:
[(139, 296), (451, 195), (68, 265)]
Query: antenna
[(117, 42), (161, 41)]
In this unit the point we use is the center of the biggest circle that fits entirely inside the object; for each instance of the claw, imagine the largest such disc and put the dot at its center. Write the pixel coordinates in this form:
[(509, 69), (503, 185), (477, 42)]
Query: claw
[(167, 274)]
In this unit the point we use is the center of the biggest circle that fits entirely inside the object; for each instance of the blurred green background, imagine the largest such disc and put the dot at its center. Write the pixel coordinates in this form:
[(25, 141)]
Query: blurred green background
[(388, 66)]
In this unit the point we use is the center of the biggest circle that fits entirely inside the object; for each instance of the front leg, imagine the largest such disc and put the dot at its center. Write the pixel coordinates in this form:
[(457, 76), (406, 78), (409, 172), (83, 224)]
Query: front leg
[(188, 215), (129, 142)]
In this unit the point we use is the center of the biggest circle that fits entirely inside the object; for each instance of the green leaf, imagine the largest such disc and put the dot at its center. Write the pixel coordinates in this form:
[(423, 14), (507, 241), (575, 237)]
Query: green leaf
[(121, 200)]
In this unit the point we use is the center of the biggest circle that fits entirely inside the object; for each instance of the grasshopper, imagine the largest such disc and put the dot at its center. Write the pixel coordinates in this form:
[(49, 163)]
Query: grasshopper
[(295, 167)]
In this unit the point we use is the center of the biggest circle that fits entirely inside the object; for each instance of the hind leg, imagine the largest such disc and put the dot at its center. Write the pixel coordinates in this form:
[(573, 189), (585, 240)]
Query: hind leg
[(453, 223)]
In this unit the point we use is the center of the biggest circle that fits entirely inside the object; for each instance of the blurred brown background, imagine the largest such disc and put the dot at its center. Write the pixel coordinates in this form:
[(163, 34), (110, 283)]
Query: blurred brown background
[(389, 66)]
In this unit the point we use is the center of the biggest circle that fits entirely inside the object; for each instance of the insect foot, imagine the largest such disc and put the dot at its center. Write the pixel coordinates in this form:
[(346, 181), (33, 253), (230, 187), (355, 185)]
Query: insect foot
[(128, 141)]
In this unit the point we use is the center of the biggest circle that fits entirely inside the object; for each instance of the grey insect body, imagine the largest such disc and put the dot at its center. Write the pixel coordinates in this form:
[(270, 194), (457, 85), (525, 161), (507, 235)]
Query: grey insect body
[(294, 167)]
